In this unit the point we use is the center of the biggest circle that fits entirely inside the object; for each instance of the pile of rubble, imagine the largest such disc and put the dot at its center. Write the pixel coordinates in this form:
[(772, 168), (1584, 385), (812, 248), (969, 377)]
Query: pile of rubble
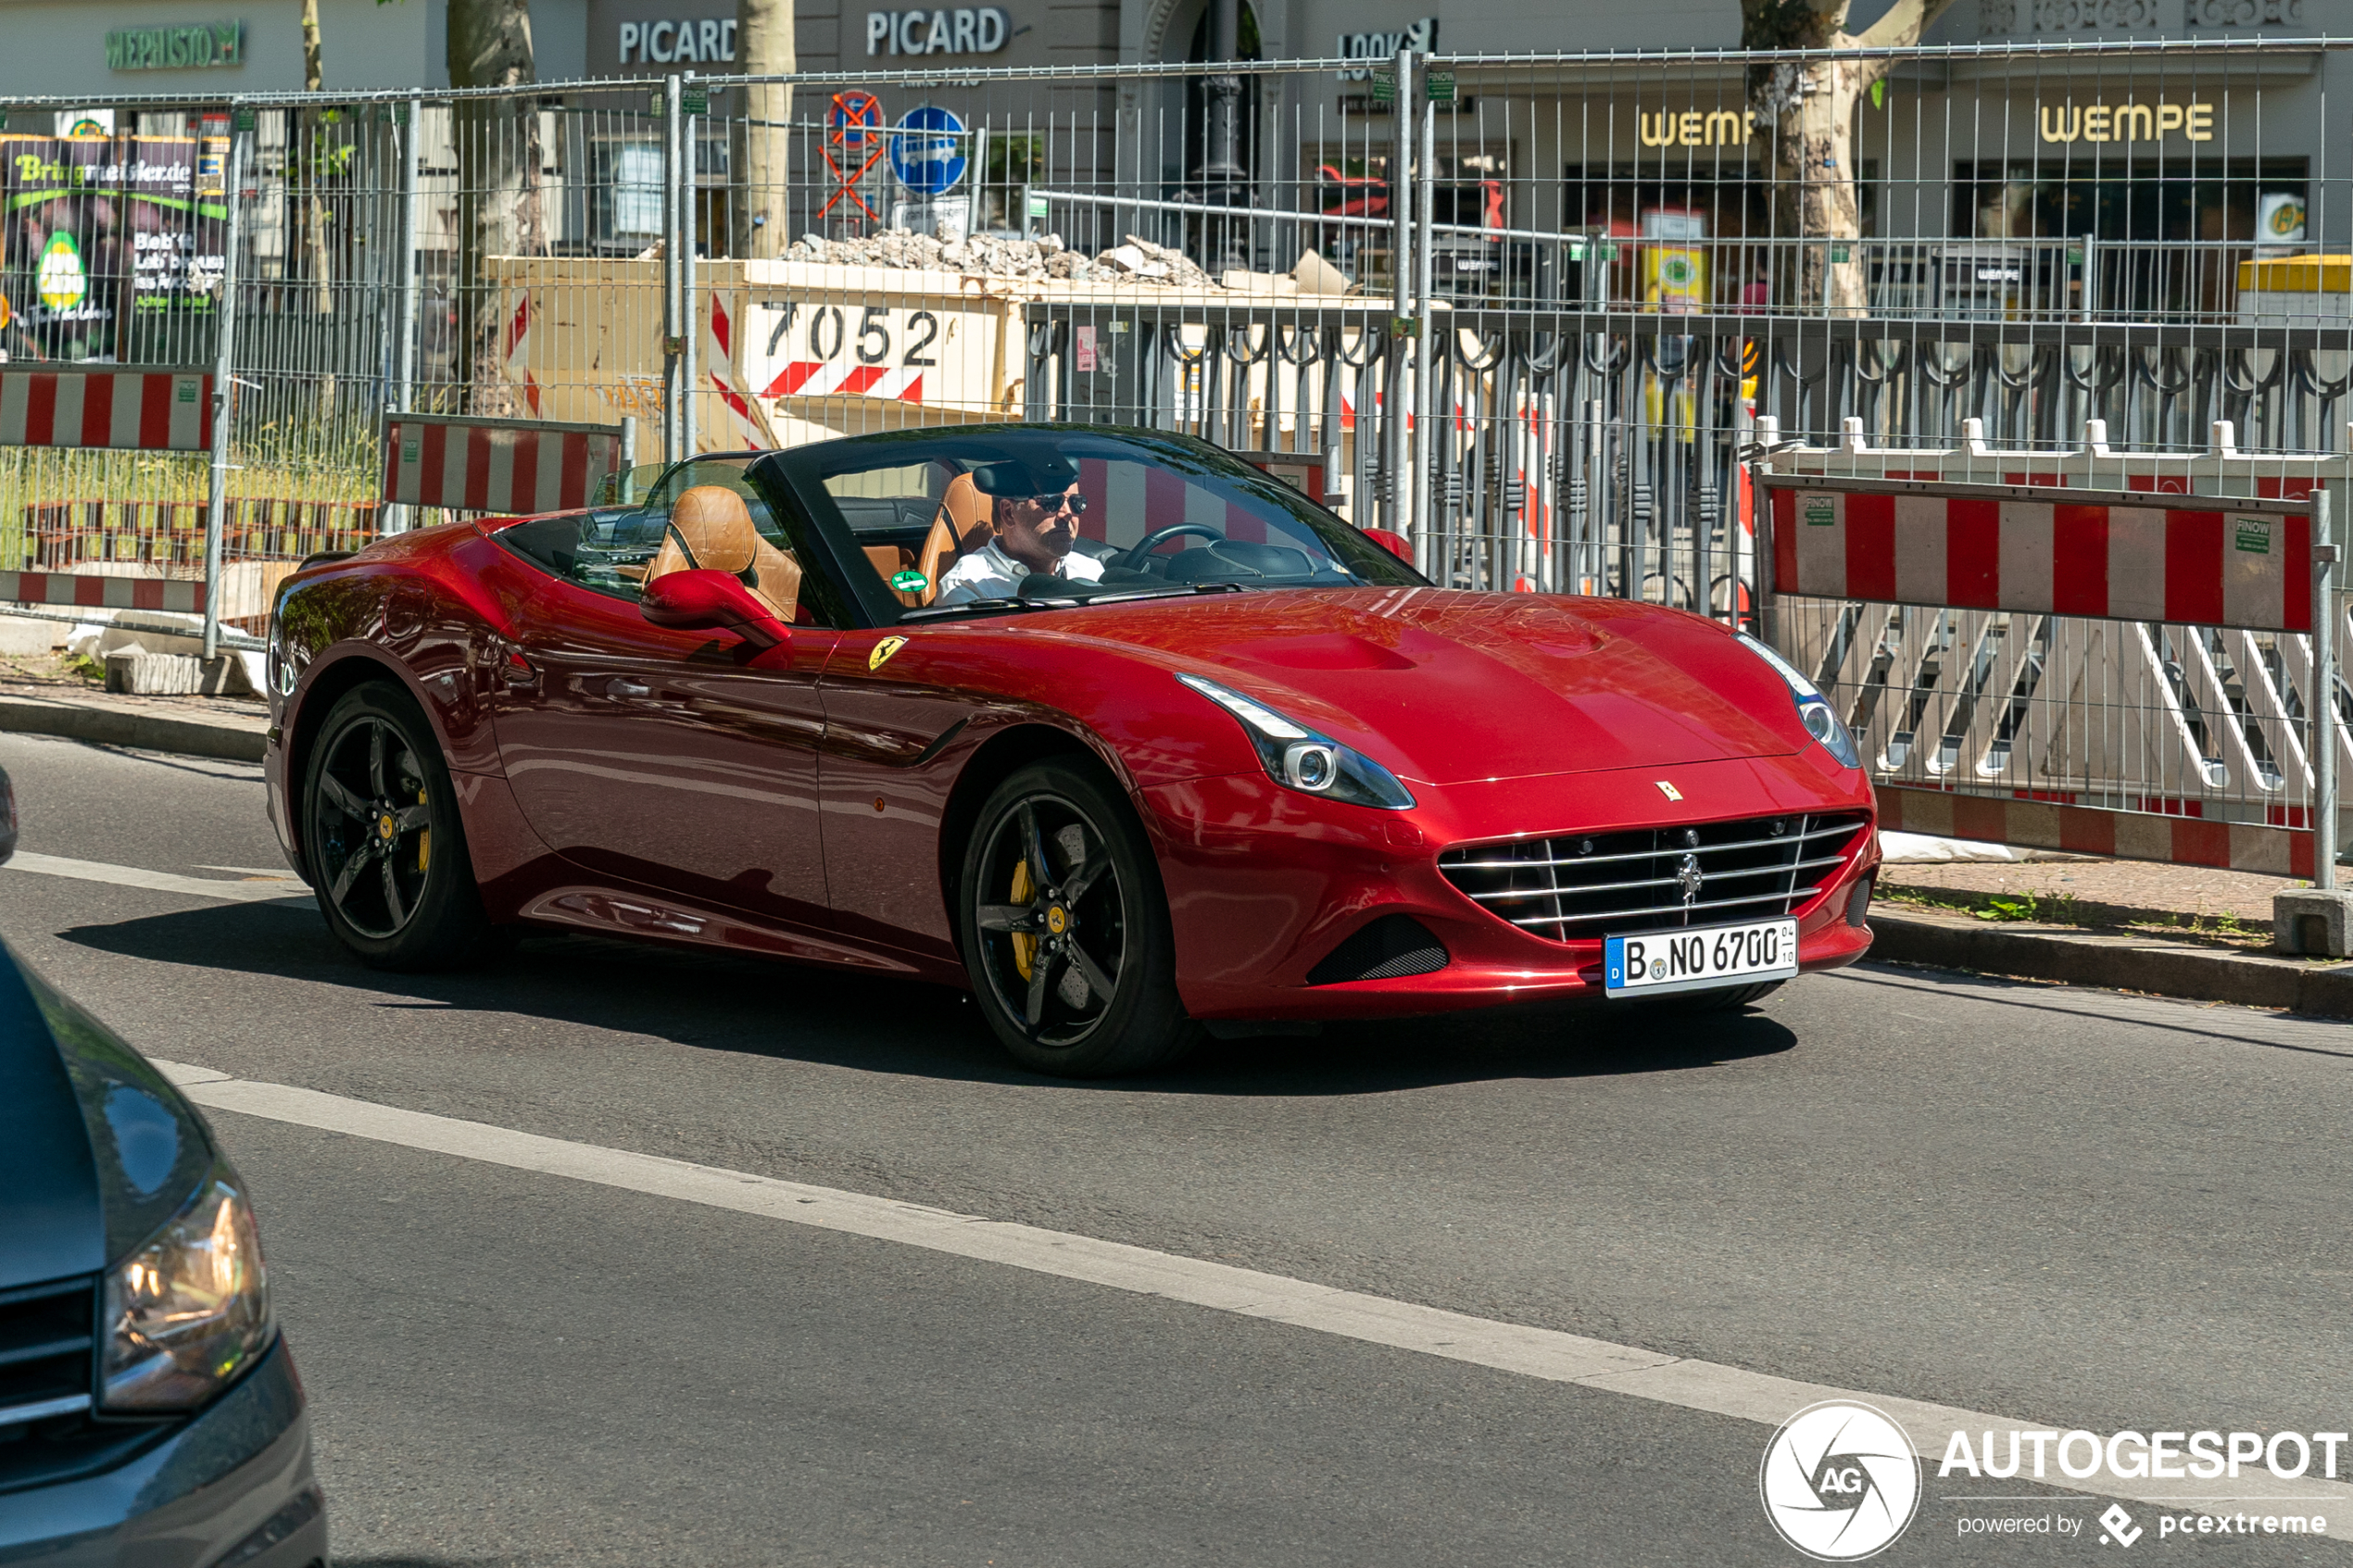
[(986, 256)]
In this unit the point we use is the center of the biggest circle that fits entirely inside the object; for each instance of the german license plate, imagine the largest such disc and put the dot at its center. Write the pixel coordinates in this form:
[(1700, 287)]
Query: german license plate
[(1660, 961)]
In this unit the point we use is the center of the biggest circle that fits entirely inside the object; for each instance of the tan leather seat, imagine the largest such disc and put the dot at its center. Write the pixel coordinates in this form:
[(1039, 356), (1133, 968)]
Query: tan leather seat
[(888, 562), (966, 521), (710, 529)]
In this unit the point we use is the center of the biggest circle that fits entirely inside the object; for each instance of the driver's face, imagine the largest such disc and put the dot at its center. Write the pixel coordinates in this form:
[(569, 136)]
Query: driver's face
[(1040, 530)]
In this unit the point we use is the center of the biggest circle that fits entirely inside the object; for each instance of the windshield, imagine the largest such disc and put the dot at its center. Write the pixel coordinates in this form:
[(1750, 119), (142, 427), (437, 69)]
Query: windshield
[(1008, 519)]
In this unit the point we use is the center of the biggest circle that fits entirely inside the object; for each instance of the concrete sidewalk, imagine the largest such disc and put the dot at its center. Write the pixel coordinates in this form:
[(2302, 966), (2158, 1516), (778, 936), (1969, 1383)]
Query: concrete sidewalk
[(39, 695), (2126, 925)]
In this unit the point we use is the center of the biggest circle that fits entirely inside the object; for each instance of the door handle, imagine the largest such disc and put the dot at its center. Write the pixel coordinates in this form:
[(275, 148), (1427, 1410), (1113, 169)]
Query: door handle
[(622, 687)]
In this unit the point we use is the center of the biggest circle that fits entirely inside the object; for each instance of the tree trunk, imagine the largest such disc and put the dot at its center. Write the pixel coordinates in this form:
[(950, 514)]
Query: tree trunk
[(764, 46), (499, 198), (1806, 111), (315, 217), (1809, 112)]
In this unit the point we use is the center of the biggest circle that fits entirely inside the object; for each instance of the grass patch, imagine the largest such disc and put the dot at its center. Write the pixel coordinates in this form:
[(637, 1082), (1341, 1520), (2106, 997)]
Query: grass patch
[(2065, 909)]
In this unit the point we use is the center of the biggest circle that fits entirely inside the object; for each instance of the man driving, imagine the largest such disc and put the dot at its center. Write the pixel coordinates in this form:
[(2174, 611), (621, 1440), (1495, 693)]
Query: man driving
[(1035, 508)]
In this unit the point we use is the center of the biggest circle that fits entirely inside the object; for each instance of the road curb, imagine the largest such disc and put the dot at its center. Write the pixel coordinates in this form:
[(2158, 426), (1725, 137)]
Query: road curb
[(2116, 961), (148, 731)]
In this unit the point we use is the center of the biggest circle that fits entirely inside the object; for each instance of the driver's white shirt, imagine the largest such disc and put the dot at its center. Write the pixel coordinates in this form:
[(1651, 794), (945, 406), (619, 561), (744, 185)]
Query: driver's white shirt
[(990, 574)]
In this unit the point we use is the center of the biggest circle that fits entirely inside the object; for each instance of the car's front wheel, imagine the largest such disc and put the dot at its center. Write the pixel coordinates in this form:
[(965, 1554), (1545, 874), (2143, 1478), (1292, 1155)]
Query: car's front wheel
[(383, 840), (1066, 928)]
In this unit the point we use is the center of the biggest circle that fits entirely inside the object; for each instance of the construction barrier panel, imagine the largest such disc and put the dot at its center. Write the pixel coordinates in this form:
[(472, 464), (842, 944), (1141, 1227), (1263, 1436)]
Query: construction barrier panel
[(136, 410), (2247, 565), (512, 466), (2059, 668), (103, 593)]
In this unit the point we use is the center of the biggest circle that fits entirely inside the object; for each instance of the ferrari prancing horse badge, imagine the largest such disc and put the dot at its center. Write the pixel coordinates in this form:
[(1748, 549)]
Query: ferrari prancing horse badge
[(883, 651)]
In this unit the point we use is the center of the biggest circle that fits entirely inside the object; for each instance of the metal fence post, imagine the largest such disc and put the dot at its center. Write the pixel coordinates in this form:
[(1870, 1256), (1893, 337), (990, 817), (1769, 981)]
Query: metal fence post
[(1430, 518), (690, 326), (224, 361), (1767, 602), (404, 374), (672, 448), (2324, 694), (1397, 513)]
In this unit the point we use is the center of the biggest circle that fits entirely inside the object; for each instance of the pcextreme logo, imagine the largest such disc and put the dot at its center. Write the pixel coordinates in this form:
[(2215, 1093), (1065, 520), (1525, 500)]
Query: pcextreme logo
[(1840, 1481)]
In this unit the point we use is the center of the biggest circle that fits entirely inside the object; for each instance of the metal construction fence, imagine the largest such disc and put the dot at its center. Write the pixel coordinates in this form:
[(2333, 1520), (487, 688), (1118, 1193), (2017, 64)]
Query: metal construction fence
[(1527, 311)]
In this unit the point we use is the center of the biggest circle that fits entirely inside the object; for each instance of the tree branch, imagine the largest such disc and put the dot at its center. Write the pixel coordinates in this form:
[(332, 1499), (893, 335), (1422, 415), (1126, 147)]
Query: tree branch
[(1903, 26)]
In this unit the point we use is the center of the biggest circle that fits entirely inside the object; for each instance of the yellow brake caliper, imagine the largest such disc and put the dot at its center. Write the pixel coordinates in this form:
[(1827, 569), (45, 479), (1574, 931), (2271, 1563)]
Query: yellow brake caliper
[(1025, 946), (425, 840)]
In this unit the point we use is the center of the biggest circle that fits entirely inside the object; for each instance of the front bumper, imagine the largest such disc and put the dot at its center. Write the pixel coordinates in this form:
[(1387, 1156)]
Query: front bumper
[(1263, 882), (235, 1482)]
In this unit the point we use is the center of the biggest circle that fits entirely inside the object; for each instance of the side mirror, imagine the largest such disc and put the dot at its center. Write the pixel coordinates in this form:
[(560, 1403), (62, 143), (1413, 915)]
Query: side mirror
[(1394, 543), (695, 601)]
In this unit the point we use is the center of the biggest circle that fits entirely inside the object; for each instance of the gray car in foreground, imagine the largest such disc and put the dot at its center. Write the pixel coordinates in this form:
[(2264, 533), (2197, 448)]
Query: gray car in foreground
[(149, 1412)]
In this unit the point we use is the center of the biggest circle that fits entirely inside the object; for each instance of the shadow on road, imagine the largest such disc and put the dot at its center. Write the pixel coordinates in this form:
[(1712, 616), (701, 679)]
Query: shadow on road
[(717, 1001)]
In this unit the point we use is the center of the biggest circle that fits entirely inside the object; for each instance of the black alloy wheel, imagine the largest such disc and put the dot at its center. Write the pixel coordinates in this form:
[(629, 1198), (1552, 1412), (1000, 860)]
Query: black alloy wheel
[(1066, 928), (382, 841)]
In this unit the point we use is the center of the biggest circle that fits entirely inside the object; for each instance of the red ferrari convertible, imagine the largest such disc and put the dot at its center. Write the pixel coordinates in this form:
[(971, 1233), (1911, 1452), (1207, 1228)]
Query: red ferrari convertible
[(1119, 732)]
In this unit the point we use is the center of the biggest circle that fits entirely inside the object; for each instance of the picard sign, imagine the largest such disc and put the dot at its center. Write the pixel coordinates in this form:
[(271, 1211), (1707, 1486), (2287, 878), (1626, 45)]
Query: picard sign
[(176, 48)]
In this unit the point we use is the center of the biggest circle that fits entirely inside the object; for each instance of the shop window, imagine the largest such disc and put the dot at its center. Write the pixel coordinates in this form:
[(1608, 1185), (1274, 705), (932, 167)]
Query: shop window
[(2169, 232)]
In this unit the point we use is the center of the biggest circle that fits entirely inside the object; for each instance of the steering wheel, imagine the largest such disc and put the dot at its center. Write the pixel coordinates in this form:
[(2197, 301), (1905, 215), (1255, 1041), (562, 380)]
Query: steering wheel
[(1134, 559)]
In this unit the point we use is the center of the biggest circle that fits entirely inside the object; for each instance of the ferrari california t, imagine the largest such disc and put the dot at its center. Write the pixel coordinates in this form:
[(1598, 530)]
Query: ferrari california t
[(1112, 728)]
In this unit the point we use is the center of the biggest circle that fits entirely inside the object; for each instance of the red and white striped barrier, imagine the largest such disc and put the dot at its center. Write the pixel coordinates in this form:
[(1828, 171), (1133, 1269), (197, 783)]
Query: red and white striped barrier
[(135, 410), (513, 466), (2089, 829), (2249, 566), (175, 595), (2221, 471)]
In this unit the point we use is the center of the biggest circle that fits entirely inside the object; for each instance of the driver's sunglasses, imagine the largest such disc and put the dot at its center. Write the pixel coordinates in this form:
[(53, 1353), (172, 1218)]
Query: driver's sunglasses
[(1057, 502)]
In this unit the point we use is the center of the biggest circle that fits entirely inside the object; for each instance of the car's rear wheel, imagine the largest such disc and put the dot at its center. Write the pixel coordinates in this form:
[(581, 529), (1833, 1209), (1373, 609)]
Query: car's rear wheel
[(1066, 928), (383, 839)]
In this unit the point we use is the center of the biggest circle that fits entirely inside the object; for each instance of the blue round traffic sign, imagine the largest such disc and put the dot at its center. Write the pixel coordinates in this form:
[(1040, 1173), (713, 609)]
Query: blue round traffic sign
[(927, 150)]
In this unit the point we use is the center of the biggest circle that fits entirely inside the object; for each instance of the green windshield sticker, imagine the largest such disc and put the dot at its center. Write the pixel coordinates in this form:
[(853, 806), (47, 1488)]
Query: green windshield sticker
[(910, 582), (2252, 535)]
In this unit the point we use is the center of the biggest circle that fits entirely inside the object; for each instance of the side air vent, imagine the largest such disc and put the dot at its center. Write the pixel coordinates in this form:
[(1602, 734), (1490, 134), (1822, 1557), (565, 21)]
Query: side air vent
[(1389, 948)]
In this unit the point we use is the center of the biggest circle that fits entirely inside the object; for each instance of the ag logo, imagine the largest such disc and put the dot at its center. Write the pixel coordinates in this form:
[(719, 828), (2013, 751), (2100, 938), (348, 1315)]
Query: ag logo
[(883, 651), (1840, 1481)]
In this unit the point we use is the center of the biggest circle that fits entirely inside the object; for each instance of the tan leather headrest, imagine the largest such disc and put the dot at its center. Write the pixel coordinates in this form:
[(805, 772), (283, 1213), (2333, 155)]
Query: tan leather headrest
[(716, 528)]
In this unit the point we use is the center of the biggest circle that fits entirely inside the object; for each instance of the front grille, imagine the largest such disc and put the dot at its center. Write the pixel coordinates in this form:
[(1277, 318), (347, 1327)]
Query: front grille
[(1582, 886), (47, 1343)]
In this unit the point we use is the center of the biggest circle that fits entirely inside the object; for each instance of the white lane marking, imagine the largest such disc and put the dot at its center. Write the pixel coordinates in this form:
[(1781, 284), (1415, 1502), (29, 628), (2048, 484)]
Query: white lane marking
[(1543, 1353), (159, 882), (265, 873)]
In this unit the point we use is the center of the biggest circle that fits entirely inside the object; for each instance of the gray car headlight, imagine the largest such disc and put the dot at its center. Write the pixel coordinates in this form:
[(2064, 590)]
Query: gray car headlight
[(1814, 710), (189, 1310), (1297, 758)]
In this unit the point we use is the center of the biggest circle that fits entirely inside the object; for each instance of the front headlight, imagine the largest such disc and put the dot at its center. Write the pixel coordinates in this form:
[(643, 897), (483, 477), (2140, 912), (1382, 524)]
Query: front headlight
[(189, 1310), (1297, 758), (1814, 710)]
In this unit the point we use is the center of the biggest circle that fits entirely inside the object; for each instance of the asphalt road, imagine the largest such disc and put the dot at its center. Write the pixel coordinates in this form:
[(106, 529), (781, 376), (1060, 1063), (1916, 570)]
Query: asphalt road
[(2095, 1210)]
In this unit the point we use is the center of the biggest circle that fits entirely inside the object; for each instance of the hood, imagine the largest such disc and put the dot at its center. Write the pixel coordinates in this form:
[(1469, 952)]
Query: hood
[(1447, 687), (97, 1149)]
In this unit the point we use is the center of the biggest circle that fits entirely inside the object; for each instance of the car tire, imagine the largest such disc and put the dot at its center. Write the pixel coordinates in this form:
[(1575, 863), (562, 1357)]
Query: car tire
[(1066, 928), (1730, 1001), (383, 841)]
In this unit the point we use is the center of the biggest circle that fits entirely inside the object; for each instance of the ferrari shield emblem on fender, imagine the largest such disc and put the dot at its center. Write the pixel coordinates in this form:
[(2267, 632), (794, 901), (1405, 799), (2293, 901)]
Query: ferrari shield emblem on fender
[(1668, 790), (883, 651)]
